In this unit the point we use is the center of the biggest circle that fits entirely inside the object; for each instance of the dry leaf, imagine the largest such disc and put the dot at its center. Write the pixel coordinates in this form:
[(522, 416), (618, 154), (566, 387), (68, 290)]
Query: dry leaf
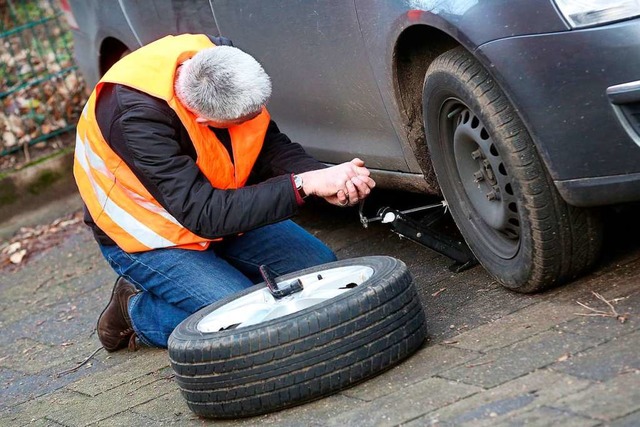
[(438, 292), (69, 222), (17, 257), (9, 139), (12, 248), (564, 357)]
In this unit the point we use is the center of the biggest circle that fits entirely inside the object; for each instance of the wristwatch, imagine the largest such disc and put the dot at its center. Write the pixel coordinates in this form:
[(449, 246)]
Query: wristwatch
[(297, 180)]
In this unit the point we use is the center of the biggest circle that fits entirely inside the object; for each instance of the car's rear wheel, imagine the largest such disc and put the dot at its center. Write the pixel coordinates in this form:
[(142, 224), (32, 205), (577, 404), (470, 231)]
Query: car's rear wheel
[(500, 194)]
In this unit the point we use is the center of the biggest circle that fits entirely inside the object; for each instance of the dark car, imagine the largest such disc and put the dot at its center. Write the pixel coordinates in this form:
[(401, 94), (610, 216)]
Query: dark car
[(528, 111)]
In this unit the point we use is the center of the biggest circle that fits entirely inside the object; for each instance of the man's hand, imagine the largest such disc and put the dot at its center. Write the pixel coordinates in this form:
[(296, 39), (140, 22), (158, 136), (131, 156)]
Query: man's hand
[(341, 185)]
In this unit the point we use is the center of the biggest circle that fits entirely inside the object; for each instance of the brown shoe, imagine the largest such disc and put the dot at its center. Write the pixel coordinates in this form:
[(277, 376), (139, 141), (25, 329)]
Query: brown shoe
[(114, 325)]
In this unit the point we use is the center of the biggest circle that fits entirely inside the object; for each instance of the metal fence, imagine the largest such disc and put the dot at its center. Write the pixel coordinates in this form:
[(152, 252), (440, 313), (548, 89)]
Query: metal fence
[(41, 94)]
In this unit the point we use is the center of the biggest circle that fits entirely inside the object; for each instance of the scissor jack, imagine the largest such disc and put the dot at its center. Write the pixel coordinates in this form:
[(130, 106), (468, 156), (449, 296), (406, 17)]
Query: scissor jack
[(424, 232)]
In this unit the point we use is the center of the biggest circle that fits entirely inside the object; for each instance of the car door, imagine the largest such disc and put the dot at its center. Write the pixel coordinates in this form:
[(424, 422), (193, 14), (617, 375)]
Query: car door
[(324, 92)]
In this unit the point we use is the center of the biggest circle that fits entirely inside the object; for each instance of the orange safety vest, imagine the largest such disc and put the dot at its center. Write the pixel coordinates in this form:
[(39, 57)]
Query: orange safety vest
[(117, 201)]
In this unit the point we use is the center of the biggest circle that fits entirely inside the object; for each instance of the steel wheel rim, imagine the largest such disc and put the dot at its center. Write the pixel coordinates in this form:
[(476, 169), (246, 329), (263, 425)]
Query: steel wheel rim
[(485, 181), (260, 306)]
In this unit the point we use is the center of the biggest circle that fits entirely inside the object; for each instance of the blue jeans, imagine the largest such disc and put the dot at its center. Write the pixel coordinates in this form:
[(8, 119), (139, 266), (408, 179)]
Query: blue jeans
[(175, 283)]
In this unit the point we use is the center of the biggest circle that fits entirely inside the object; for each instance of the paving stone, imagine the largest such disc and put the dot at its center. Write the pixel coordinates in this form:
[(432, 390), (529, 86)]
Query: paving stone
[(39, 408), (507, 400), (37, 358), (501, 365), (43, 422), (427, 362), (129, 419), (35, 409), (18, 387), (54, 284), (545, 416), (341, 239), (463, 301), (631, 420), (405, 405), (607, 327), (29, 356), (312, 414), (147, 363), (167, 409), (135, 391), (516, 326), (114, 401), (620, 354), (615, 280), (606, 401), (68, 321)]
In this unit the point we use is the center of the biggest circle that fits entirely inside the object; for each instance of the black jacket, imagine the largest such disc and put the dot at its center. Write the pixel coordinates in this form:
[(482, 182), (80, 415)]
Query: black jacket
[(148, 135)]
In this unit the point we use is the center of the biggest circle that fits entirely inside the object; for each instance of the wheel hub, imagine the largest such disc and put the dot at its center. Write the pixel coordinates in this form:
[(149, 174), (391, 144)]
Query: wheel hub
[(485, 180)]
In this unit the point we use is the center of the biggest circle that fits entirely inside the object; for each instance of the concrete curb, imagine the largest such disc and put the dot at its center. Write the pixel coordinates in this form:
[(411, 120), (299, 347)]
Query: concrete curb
[(37, 184)]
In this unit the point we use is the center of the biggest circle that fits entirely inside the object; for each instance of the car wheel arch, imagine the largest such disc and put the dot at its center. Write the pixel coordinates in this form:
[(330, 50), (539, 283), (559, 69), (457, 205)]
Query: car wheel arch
[(414, 50), (111, 50)]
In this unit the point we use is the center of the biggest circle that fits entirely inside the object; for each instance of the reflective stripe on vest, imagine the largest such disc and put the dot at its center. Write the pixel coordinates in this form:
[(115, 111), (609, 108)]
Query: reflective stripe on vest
[(117, 201)]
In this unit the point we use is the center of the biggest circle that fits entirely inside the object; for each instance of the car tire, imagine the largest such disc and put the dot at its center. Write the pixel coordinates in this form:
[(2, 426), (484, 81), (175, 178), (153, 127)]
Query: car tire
[(373, 323), (496, 185)]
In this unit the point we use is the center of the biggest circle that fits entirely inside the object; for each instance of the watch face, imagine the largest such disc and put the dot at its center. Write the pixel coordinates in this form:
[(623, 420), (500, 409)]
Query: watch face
[(298, 181)]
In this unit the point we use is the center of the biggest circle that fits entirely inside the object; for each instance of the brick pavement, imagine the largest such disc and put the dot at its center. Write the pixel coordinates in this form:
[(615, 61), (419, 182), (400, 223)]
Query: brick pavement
[(493, 357)]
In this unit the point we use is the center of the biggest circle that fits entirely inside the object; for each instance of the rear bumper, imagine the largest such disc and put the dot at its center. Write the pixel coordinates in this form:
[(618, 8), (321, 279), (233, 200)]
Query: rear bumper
[(576, 93)]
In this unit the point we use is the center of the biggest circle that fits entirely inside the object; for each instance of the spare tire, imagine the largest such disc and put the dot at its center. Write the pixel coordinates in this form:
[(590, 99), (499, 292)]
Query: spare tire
[(251, 353)]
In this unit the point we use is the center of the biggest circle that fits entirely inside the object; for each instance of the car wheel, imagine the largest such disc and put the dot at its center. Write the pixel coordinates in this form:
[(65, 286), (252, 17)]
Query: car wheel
[(501, 197), (252, 353)]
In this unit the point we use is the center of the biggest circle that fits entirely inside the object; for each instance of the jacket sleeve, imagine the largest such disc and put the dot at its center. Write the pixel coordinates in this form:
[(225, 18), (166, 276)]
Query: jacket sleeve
[(148, 140), (281, 156)]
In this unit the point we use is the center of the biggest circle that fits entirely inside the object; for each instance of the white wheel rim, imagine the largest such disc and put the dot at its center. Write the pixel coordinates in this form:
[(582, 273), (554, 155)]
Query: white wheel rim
[(260, 306)]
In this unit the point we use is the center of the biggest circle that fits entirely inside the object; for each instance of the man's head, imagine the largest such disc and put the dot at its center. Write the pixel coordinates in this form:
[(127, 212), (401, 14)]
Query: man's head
[(223, 86)]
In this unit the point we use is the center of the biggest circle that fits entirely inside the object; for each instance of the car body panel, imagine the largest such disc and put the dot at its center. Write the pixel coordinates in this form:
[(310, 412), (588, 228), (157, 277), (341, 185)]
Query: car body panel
[(97, 23), (335, 90), (469, 22), (563, 102), (324, 92), (176, 16)]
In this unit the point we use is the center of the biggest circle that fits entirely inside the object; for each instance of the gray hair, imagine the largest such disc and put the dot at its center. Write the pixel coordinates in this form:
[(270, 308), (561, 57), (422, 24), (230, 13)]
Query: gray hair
[(223, 83)]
